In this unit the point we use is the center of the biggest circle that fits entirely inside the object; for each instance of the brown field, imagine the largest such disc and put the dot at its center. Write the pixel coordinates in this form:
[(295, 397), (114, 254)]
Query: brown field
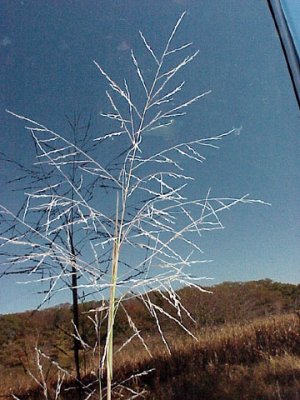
[(257, 358)]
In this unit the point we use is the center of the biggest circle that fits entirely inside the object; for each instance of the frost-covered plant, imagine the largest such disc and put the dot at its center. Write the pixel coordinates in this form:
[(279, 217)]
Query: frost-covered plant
[(135, 243)]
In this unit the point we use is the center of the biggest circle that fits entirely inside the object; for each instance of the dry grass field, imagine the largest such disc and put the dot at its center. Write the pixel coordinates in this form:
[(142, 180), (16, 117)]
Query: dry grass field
[(250, 358)]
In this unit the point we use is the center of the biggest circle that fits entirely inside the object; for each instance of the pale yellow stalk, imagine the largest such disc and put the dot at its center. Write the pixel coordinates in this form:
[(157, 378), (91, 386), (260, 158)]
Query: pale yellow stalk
[(111, 312)]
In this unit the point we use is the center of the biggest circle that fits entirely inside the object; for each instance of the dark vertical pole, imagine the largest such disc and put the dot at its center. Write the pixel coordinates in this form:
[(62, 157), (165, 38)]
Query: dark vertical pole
[(287, 43), (75, 312), (74, 281)]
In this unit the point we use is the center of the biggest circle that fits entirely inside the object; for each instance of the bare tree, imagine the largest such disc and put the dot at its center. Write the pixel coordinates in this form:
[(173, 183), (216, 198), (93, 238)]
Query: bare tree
[(149, 217), (41, 181)]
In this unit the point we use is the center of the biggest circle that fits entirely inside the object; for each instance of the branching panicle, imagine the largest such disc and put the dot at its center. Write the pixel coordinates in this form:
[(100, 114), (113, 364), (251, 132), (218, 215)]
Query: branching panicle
[(68, 229)]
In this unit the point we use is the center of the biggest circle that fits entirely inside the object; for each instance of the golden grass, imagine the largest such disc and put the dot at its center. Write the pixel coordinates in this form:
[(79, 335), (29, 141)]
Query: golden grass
[(272, 378), (225, 361), (255, 360)]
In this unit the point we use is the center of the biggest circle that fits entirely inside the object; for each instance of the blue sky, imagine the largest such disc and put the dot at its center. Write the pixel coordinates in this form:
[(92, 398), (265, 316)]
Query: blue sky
[(47, 71)]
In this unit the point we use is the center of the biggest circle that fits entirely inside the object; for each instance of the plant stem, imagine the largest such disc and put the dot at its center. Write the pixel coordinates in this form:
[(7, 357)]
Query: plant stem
[(111, 313)]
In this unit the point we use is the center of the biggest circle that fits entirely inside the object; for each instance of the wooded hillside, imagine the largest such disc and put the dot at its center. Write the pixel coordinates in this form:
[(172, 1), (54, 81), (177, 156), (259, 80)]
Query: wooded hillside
[(231, 311)]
